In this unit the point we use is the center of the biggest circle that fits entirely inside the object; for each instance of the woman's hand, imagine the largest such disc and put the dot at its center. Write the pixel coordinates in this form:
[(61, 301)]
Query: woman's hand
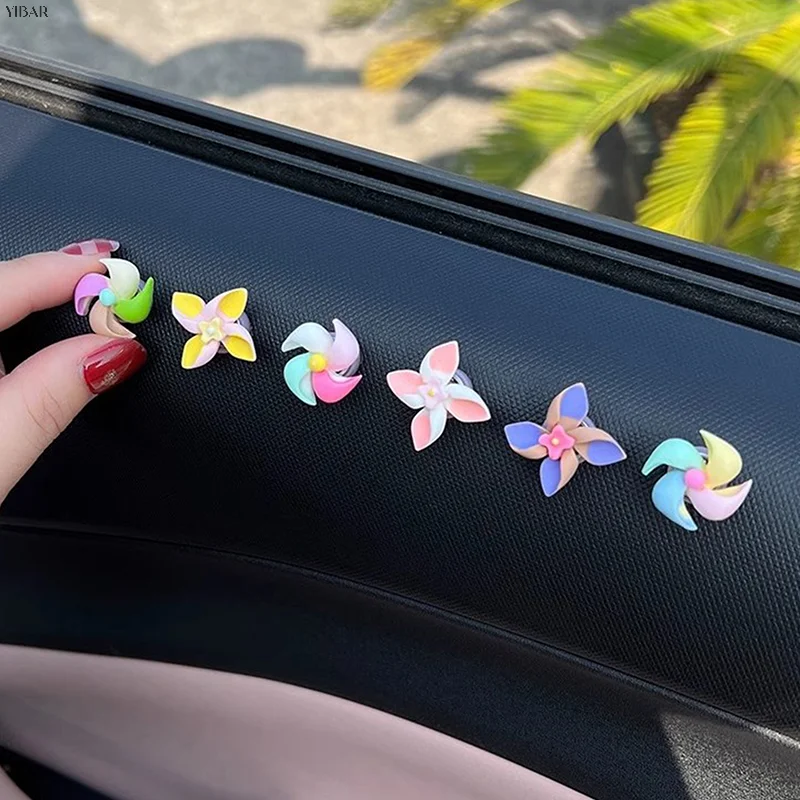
[(41, 396)]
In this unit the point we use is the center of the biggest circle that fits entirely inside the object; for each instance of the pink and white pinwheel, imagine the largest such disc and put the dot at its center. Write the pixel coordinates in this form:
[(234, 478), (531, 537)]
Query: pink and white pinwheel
[(433, 391), (325, 370), (214, 323)]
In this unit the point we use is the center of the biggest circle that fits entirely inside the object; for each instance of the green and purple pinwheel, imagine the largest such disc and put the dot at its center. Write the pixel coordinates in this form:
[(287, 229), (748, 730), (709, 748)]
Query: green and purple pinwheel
[(566, 439), (120, 295)]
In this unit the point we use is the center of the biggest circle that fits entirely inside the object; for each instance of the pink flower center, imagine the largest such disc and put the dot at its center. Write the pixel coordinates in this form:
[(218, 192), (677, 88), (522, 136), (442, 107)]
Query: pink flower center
[(432, 393), (694, 478), (556, 442)]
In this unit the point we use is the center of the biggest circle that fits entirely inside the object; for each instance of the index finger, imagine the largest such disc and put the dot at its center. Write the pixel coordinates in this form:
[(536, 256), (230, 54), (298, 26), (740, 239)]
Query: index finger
[(35, 282)]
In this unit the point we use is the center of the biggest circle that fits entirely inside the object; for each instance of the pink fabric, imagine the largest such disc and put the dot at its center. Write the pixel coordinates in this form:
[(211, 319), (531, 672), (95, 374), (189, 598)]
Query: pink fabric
[(140, 729)]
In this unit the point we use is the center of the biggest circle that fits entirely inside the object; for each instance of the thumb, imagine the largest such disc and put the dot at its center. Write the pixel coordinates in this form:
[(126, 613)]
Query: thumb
[(45, 393)]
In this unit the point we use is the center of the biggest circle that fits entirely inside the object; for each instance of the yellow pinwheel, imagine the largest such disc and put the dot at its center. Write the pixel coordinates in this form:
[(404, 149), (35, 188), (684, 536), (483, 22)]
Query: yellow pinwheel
[(218, 322)]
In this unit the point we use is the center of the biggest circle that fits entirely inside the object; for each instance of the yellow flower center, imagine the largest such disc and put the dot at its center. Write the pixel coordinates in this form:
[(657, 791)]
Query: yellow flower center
[(554, 442), (431, 392), (211, 330), (317, 362)]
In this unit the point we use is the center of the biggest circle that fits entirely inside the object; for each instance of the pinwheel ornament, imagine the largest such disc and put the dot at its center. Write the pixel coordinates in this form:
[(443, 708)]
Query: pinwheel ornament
[(567, 438), (119, 295), (439, 390), (220, 321), (700, 475), (326, 371)]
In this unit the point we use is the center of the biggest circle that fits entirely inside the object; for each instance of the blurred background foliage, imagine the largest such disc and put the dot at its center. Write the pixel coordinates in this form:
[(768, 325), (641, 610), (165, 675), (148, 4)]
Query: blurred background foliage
[(717, 80)]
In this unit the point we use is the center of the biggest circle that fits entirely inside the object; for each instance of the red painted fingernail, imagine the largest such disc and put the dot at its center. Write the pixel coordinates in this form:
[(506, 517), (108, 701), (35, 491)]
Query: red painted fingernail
[(113, 363), (91, 247)]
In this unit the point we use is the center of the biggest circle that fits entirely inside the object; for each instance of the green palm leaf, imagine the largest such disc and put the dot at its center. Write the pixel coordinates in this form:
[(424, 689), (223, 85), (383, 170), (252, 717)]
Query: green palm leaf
[(768, 228), (353, 13), (740, 122), (650, 52), (393, 65)]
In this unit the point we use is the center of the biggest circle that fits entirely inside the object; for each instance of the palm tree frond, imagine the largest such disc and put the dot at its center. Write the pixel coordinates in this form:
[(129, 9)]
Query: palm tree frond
[(353, 13), (393, 65), (768, 228), (446, 18), (753, 235), (506, 158), (739, 123), (651, 51)]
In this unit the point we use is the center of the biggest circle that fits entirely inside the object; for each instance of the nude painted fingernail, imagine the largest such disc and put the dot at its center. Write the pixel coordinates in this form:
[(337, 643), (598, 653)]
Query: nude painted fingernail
[(113, 363), (91, 247)]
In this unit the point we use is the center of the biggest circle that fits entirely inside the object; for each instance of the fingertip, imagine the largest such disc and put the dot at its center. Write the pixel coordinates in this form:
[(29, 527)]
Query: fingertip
[(41, 280), (112, 363), (91, 247)]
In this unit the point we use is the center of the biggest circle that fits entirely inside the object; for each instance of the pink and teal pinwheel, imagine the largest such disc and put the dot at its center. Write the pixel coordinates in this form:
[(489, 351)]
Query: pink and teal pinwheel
[(120, 294), (703, 480), (433, 392), (213, 324), (565, 440), (323, 371)]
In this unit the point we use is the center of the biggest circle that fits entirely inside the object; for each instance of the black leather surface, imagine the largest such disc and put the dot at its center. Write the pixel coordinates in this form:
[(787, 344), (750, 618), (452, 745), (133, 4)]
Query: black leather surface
[(610, 738), (225, 457)]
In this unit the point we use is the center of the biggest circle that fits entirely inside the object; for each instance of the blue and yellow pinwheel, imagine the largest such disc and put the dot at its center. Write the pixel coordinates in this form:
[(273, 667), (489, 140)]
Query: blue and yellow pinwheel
[(701, 475)]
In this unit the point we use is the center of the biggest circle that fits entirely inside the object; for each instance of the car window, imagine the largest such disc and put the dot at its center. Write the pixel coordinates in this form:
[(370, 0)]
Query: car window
[(680, 115)]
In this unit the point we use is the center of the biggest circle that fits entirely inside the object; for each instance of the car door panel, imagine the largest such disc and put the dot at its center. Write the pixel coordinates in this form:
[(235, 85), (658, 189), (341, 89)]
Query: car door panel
[(208, 518)]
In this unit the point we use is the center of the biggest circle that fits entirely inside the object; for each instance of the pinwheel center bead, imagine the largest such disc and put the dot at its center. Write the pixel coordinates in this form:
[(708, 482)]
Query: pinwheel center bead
[(317, 362), (556, 442), (211, 330), (694, 478), (107, 298), (432, 394)]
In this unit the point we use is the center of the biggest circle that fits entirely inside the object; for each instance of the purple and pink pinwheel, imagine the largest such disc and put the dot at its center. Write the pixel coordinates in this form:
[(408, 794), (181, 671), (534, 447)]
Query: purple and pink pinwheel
[(326, 371), (566, 439), (436, 396), (213, 324)]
